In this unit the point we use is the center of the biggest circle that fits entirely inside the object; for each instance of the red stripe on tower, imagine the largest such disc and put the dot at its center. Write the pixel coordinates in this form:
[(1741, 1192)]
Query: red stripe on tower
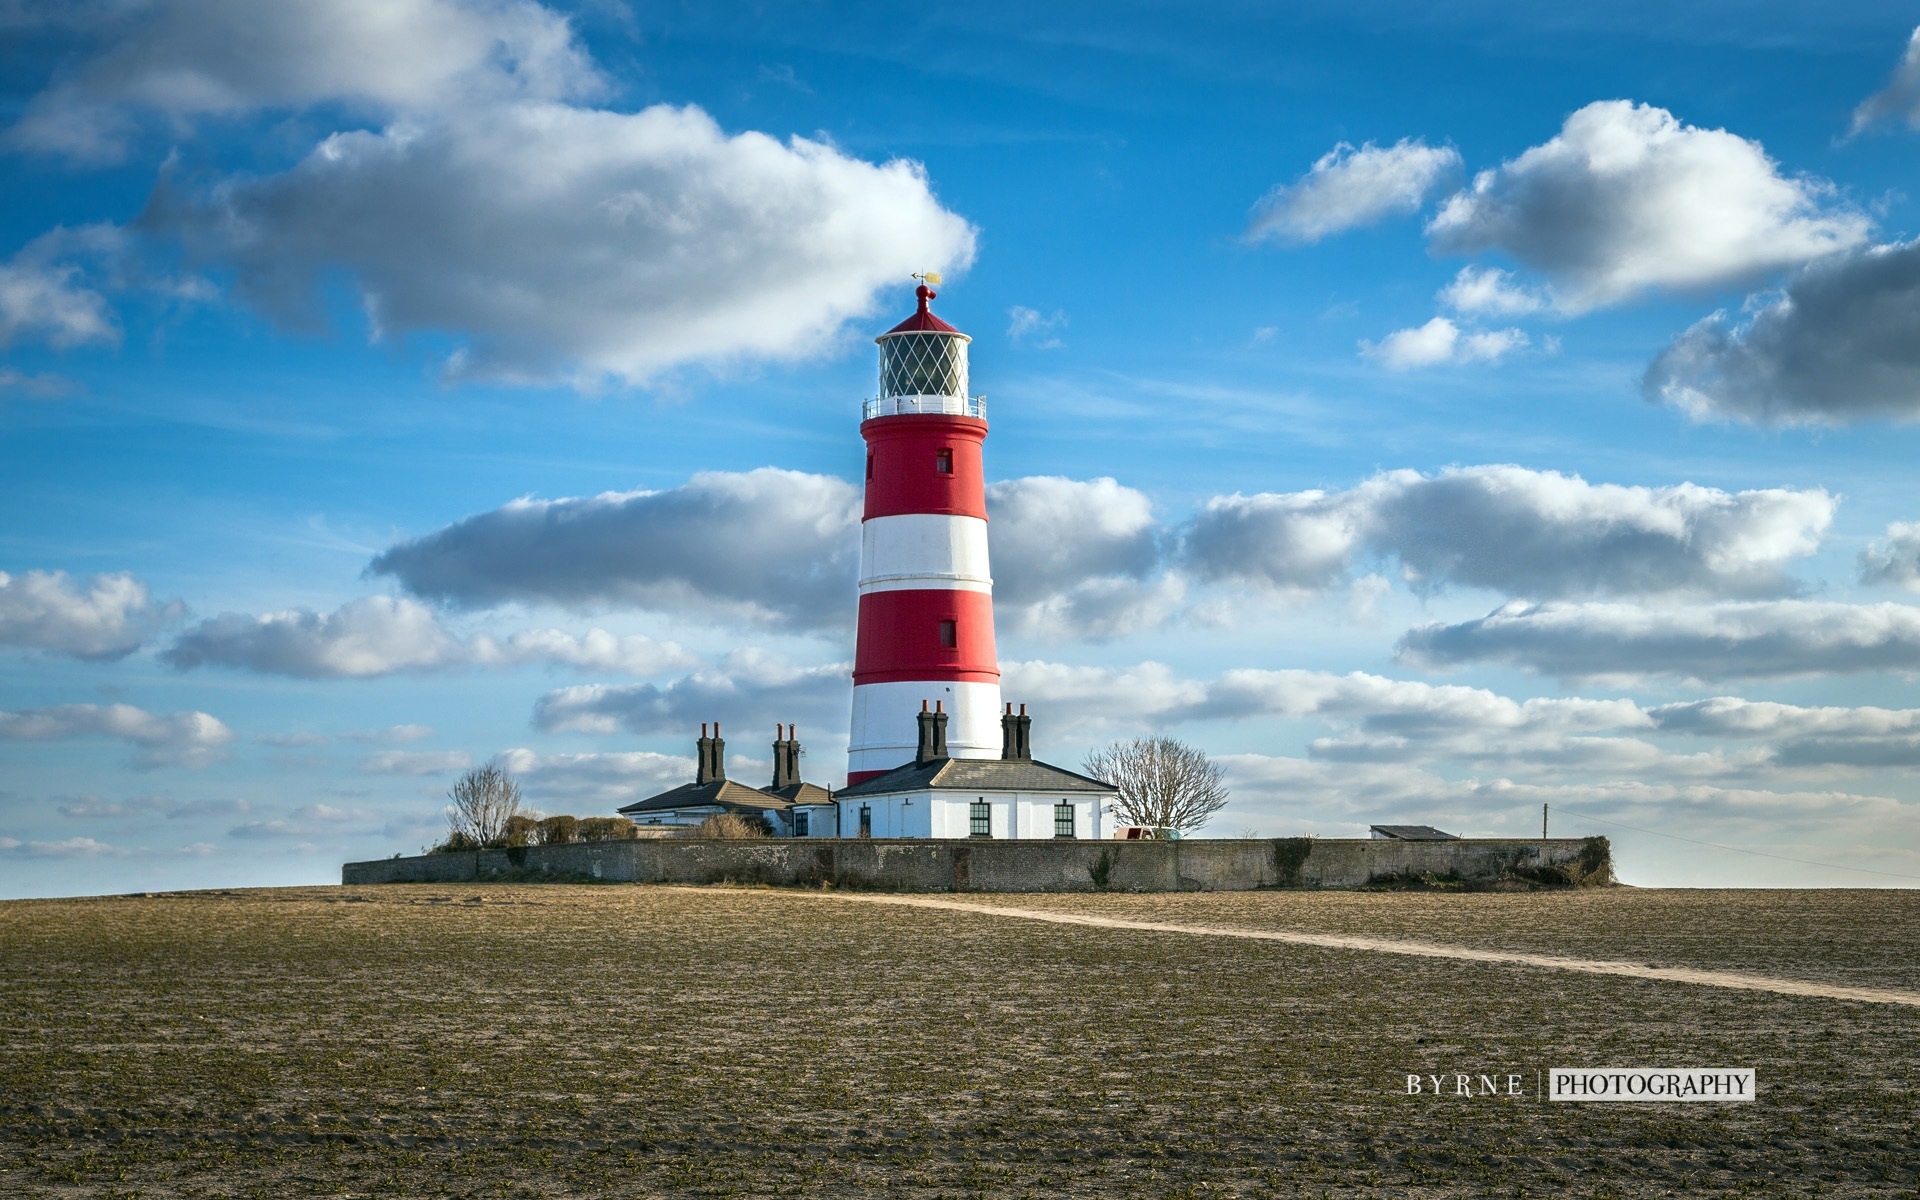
[(926, 596)]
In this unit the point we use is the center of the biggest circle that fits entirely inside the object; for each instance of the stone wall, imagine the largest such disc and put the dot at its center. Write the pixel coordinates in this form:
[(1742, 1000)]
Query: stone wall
[(1021, 866)]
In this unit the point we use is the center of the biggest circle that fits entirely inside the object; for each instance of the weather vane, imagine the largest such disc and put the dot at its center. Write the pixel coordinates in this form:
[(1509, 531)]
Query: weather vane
[(930, 278)]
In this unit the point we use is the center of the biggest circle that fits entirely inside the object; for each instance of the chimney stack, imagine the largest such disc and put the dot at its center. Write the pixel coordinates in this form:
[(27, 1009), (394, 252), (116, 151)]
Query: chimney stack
[(786, 757), (1016, 734), (933, 734), (712, 756)]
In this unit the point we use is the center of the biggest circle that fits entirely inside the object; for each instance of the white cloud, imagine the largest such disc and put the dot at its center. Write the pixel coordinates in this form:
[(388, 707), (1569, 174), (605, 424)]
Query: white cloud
[(1739, 640), (181, 739), (567, 244), (1490, 292), (595, 650), (1840, 344), (1035, 328), (1073, 558), (109, 618), (1376, 720), (182, 59), (780, 548), (595, 781), (751, 690), (1899, 100), (1519, 531), (415, 762), (45, 295), (381, 635), (392, 735), (1441, 341), (1897, 560), (1626, 198), (768, 547), (1348, 188), (73, 847)]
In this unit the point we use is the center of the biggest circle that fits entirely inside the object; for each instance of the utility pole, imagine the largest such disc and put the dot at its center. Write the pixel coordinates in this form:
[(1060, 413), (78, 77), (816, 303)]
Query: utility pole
[(1543, 822)]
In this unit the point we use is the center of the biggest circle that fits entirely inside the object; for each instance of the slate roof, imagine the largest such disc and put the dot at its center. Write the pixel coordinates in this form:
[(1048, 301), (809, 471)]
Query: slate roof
[(1415, 833), (976, 775), (801, 793), (728, 795)]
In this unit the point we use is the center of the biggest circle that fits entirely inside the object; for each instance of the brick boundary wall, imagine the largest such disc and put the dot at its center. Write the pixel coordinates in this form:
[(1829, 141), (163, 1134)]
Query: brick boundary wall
[(943, 865)]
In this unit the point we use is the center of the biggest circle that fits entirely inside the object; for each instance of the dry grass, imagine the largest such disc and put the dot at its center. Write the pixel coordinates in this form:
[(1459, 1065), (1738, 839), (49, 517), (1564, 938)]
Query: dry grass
[(553, 1040)]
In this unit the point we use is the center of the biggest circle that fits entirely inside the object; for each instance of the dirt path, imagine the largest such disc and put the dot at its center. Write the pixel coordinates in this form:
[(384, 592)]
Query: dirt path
[(1331, 941)]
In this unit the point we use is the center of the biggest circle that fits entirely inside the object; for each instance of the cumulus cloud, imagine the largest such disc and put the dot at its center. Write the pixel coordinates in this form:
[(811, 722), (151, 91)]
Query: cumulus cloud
[(1074, 557), (1803, 736), (578, 245), (595, 781), (381, 635), (1035, 328), (391, 735), (109, 617), (181, 739), (781, 549), (1490, 292), (1896, 560), (415, 762), (1737, 640), (184, 59), (1348, 188), (1441, 341), (1899, 100), (73, 847), (1626, 199), (769, 547), (46, 296), (1840, 344), (751, 690), (1519, 531)]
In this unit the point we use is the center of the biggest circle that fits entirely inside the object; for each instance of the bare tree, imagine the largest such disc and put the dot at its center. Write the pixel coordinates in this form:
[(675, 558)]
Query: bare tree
[(1164, 783), (481, 805)]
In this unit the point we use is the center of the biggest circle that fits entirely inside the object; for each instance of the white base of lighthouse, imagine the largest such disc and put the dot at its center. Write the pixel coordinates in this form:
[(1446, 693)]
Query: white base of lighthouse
[(886, 716)]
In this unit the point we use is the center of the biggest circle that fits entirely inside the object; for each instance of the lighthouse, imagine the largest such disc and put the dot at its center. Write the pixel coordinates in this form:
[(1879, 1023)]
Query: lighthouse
[(925, 634)]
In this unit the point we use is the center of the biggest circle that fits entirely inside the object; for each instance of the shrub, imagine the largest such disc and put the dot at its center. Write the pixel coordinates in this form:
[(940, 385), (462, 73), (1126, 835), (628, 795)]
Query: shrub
[(517, 831), (557, 831), (607, 829), (457, 840), (734, 825)]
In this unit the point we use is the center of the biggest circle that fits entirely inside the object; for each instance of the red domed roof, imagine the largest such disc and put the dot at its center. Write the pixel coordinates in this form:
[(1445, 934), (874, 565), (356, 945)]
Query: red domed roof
[(923, 321)]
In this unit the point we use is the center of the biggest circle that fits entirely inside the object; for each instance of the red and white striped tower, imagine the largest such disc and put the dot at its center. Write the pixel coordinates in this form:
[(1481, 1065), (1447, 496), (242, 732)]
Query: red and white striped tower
[(926, 597)]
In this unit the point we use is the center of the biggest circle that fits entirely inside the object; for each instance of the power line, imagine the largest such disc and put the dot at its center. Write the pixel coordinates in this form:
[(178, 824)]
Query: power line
[(1805, 862)]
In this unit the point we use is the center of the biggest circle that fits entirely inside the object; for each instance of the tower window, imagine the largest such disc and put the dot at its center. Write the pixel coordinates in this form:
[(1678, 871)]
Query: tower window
[(949, 634), (979, 819), (869, 464), (943, 461), (1063, 820)]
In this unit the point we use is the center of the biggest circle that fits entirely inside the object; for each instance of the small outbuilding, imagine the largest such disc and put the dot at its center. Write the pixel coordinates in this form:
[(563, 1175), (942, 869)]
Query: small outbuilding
[(1413, 833)]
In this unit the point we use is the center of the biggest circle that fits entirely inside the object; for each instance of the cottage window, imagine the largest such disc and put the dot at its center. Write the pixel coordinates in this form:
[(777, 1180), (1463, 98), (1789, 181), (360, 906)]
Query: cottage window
[(1063, 819), (979, 819), (866, 820), (949, 634), (800, 824)]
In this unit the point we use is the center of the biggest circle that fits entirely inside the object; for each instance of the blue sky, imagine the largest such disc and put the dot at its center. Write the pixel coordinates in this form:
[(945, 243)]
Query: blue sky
[(1431, 414)]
